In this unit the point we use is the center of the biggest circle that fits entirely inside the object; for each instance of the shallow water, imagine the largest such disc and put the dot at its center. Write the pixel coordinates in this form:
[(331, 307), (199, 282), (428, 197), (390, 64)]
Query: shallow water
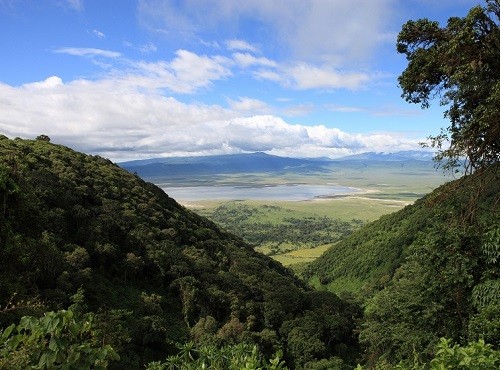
[(271, 192)]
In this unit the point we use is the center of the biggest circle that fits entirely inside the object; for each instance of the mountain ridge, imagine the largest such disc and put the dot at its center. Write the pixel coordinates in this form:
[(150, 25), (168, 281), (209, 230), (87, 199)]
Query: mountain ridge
[(258, 162)]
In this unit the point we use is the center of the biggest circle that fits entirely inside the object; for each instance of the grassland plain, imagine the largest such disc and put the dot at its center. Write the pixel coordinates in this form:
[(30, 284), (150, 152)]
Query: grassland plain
[(273, 226)]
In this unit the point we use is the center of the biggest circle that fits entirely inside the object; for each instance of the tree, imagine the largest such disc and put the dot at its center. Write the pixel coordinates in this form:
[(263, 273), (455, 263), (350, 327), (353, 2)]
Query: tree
[(43, 138), (460, 63)]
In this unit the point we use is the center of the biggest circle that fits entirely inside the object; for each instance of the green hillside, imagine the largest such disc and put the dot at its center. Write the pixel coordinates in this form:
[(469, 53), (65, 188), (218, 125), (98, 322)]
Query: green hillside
[(369, 257), (427, 271), (78, 232), (366, 261)]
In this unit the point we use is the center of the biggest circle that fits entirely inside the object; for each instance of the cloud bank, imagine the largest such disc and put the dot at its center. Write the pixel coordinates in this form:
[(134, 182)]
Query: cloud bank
[(141, 108), (123, 121)]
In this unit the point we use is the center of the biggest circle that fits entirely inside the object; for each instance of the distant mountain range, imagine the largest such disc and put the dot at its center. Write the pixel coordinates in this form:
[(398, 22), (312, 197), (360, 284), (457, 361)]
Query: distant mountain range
[(417, 155), (257, 162)]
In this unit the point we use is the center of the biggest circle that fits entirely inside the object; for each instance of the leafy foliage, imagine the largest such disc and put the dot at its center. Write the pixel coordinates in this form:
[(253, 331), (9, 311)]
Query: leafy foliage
[(474, 356), (446, 287), (425, 272), (477, 355), (231, 357), (459, 63), (58, 340)]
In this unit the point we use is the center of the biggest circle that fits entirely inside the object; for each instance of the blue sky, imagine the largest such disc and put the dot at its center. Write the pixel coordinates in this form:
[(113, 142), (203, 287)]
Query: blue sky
[(149, 78)]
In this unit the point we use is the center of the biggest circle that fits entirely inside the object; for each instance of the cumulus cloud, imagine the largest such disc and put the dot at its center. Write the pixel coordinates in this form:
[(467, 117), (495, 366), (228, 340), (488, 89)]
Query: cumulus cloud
[(120, 121), (48, 83), (186, 73)]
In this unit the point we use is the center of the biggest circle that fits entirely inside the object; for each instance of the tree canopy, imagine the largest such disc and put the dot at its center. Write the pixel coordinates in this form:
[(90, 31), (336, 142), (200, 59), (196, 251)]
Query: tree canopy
[(460, 64)]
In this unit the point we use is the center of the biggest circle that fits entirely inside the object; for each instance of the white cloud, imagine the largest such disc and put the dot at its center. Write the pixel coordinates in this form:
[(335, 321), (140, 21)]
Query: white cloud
[(379, 111), (186, 73), (344, 109), (392, 110), (338, 31), (76, 4), (240, 45), (99, 34), (310, 77), (146, 48), (246, 60), (123, 121), (88, 52), (298, 110), (48, 83), (211, 44), (247, 105), (303, 76), (270, 75), (321, 44)]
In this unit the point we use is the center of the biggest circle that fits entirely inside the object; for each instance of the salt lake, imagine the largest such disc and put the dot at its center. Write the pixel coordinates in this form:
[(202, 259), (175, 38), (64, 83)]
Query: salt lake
[(289, 192)]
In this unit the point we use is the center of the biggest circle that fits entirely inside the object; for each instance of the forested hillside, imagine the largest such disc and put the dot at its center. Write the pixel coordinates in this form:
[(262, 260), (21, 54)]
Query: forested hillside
[(430, 270), (78, 232)]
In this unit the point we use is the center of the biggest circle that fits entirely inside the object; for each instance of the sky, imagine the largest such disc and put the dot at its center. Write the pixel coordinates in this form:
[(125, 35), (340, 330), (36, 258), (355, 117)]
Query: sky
[(142, 79)]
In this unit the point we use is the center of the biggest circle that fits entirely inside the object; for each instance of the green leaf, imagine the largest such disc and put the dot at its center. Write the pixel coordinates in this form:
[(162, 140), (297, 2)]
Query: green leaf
[(54, 344), (7, 331), (74, 328), (27, 323), (14, 341)]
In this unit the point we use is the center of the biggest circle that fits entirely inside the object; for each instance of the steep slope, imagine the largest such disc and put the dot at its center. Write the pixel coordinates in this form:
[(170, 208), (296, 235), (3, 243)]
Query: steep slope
[(365, 261), (78, 230), (368, 258), (431, 270)]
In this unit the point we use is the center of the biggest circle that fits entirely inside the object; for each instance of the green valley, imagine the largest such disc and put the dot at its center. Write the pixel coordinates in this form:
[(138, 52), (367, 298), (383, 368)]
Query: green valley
[(297, 232)]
